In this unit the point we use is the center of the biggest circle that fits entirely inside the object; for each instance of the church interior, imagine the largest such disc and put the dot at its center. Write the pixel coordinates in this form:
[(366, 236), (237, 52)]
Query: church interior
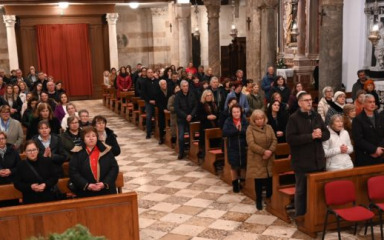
[(317, 43)]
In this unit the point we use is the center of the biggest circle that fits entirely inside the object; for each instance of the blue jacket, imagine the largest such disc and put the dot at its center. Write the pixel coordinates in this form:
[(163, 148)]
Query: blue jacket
[(266, 85), (243, 102)]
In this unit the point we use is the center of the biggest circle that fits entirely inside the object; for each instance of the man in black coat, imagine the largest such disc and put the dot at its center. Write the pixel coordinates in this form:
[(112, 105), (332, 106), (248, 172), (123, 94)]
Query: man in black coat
[(162, 97), (135, 74), (305, 133), (185, 108), (139, 82), (368, 134), (148, 93)]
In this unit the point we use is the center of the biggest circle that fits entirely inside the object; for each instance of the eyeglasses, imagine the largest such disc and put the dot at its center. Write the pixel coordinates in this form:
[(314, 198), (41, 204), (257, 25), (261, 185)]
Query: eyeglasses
[(306, 100), (31, 150)]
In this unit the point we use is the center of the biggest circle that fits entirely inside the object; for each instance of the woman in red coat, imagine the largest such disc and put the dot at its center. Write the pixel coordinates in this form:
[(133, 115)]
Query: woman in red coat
[(124, 81)]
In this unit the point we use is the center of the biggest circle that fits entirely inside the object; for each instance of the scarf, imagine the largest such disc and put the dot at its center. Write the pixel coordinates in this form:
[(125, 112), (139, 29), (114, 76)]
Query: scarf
[(94, 161)]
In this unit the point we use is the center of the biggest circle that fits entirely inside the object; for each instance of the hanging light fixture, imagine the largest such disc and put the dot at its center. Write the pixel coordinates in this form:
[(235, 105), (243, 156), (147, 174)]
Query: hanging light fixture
[(196, 32), (233, 32)]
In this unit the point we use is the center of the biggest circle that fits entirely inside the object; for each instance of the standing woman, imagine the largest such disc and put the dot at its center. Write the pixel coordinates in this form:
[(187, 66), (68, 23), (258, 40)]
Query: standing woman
[(11, 127), (325, 101), (38, 90), (262, 143), (9, 158), (124, 81), (93, 170), (209, 116), (43, 112), (255, 99), (50, 146), (17, 92), (35, 177), (234, 129), (106, 135), (292, 102), (369, 87), (280, 86), (171, 109), (113, 77), (278, 120), (61, 107), (14, 101)]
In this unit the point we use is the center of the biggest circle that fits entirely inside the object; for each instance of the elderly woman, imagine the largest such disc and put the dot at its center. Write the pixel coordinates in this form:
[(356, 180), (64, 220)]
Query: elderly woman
[(208, 113), (11, 127), (9, 159), (255, 99), (336, 107), (61, 107), (338, 147), (234, 129), (93, 170), (106, 79), (359, 101), (71, 111), (325, 101), (106, 135), (50, 145), (35, 178), (262, 143), (71, 138), (43, 112)]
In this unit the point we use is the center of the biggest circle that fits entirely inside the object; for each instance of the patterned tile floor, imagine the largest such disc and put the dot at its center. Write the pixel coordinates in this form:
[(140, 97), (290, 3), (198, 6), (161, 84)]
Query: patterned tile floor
[(178, 200)]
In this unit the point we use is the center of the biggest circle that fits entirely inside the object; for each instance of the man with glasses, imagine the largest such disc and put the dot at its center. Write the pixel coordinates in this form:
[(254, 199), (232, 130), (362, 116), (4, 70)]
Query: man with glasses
[(305, 133)]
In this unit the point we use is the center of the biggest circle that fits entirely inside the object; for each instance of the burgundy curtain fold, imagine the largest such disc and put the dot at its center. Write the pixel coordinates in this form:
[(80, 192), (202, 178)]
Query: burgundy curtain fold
[(63, 52)]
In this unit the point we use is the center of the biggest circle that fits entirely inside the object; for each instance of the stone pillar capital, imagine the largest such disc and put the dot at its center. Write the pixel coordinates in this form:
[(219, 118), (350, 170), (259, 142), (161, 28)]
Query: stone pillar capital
[(159, 11), (332, 2), (213, 8), (183, 10), (112, 18), (9, 20)]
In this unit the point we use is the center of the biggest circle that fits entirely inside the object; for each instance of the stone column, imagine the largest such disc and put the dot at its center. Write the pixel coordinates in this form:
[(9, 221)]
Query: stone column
[(183, 16), (312, 27), (331, 38), (268, 34), (113, 54), (213, 13), (301, 22), (253, 39), (10, 21)]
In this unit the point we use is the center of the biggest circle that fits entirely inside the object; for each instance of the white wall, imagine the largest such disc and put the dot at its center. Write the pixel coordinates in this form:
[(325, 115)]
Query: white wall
[(354, 40), (4, 57)]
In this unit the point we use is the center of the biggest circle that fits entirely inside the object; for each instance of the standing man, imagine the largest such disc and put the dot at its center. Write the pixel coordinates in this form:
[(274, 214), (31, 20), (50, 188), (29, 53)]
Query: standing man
[(359, 84), (368, 134), (135, 74), (239, 76), (218, 93), (185, 108), (162, 97), (267, 82), (148, 93), (140, 81), (305, 133)]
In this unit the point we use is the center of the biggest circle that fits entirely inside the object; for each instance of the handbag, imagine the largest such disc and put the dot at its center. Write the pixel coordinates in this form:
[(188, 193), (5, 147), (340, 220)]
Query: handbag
[(55, 189)]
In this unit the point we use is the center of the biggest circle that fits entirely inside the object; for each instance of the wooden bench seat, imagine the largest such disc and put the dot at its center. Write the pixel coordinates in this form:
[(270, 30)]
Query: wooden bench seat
[(212, 154), (194, 128), (168, 135)]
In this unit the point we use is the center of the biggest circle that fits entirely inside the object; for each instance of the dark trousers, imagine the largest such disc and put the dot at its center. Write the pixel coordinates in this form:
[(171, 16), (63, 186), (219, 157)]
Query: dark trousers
[(259, 183), (301, 194), (182, 127), (161, 124), (149, 111)]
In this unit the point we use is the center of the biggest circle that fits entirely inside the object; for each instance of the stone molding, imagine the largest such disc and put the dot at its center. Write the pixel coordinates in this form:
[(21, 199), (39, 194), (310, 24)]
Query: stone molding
[(112, 18), (9, 20), (159, 11)]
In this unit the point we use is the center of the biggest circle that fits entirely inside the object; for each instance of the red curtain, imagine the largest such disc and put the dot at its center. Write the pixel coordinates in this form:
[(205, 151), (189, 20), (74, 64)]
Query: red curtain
[(63, 52)]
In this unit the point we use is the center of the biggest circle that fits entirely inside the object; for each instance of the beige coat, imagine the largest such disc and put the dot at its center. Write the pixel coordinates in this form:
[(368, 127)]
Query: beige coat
[(259, 140)]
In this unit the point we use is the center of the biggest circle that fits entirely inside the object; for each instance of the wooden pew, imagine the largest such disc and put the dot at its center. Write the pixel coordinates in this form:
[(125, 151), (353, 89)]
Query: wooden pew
[(282, 150), (226, 176), (156, 130), (194, 130), (282, 195), (142, 115), (112, 216), (112, 98), (105, 94), (135, 111), (316, 208), (168, 135), (212, 154), (121, 105)]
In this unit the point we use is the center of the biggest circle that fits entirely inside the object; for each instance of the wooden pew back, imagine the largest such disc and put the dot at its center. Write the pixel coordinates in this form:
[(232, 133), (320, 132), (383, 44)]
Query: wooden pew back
[(112, 216)]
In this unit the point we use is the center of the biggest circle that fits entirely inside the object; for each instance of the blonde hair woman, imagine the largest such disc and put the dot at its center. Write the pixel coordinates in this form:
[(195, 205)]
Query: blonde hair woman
[(262, 143)]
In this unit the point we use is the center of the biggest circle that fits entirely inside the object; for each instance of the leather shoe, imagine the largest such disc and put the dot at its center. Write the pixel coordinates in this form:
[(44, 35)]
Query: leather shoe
[(147, 137), (180, 156), (161, 141)]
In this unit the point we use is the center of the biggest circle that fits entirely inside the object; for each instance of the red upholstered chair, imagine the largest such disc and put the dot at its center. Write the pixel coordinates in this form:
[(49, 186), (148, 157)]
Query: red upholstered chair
[(375, 194), (339, 193)]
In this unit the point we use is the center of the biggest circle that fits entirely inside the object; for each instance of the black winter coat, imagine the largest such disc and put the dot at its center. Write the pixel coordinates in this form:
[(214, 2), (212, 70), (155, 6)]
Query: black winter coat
[(112, 141), (285, 93), (10, 161), (307, 153), (185, 105), (279, 124), (81, 176), (149, 89), (236, 143), (25, 177), (367, 138)]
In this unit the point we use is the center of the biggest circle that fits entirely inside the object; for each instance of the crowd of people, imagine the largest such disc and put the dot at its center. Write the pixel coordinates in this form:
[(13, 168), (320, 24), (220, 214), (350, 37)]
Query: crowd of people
[(256, 115), (38, 120)]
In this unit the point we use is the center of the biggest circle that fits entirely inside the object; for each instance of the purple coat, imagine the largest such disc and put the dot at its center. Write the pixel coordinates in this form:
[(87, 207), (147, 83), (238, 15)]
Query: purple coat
[(59, 112)]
